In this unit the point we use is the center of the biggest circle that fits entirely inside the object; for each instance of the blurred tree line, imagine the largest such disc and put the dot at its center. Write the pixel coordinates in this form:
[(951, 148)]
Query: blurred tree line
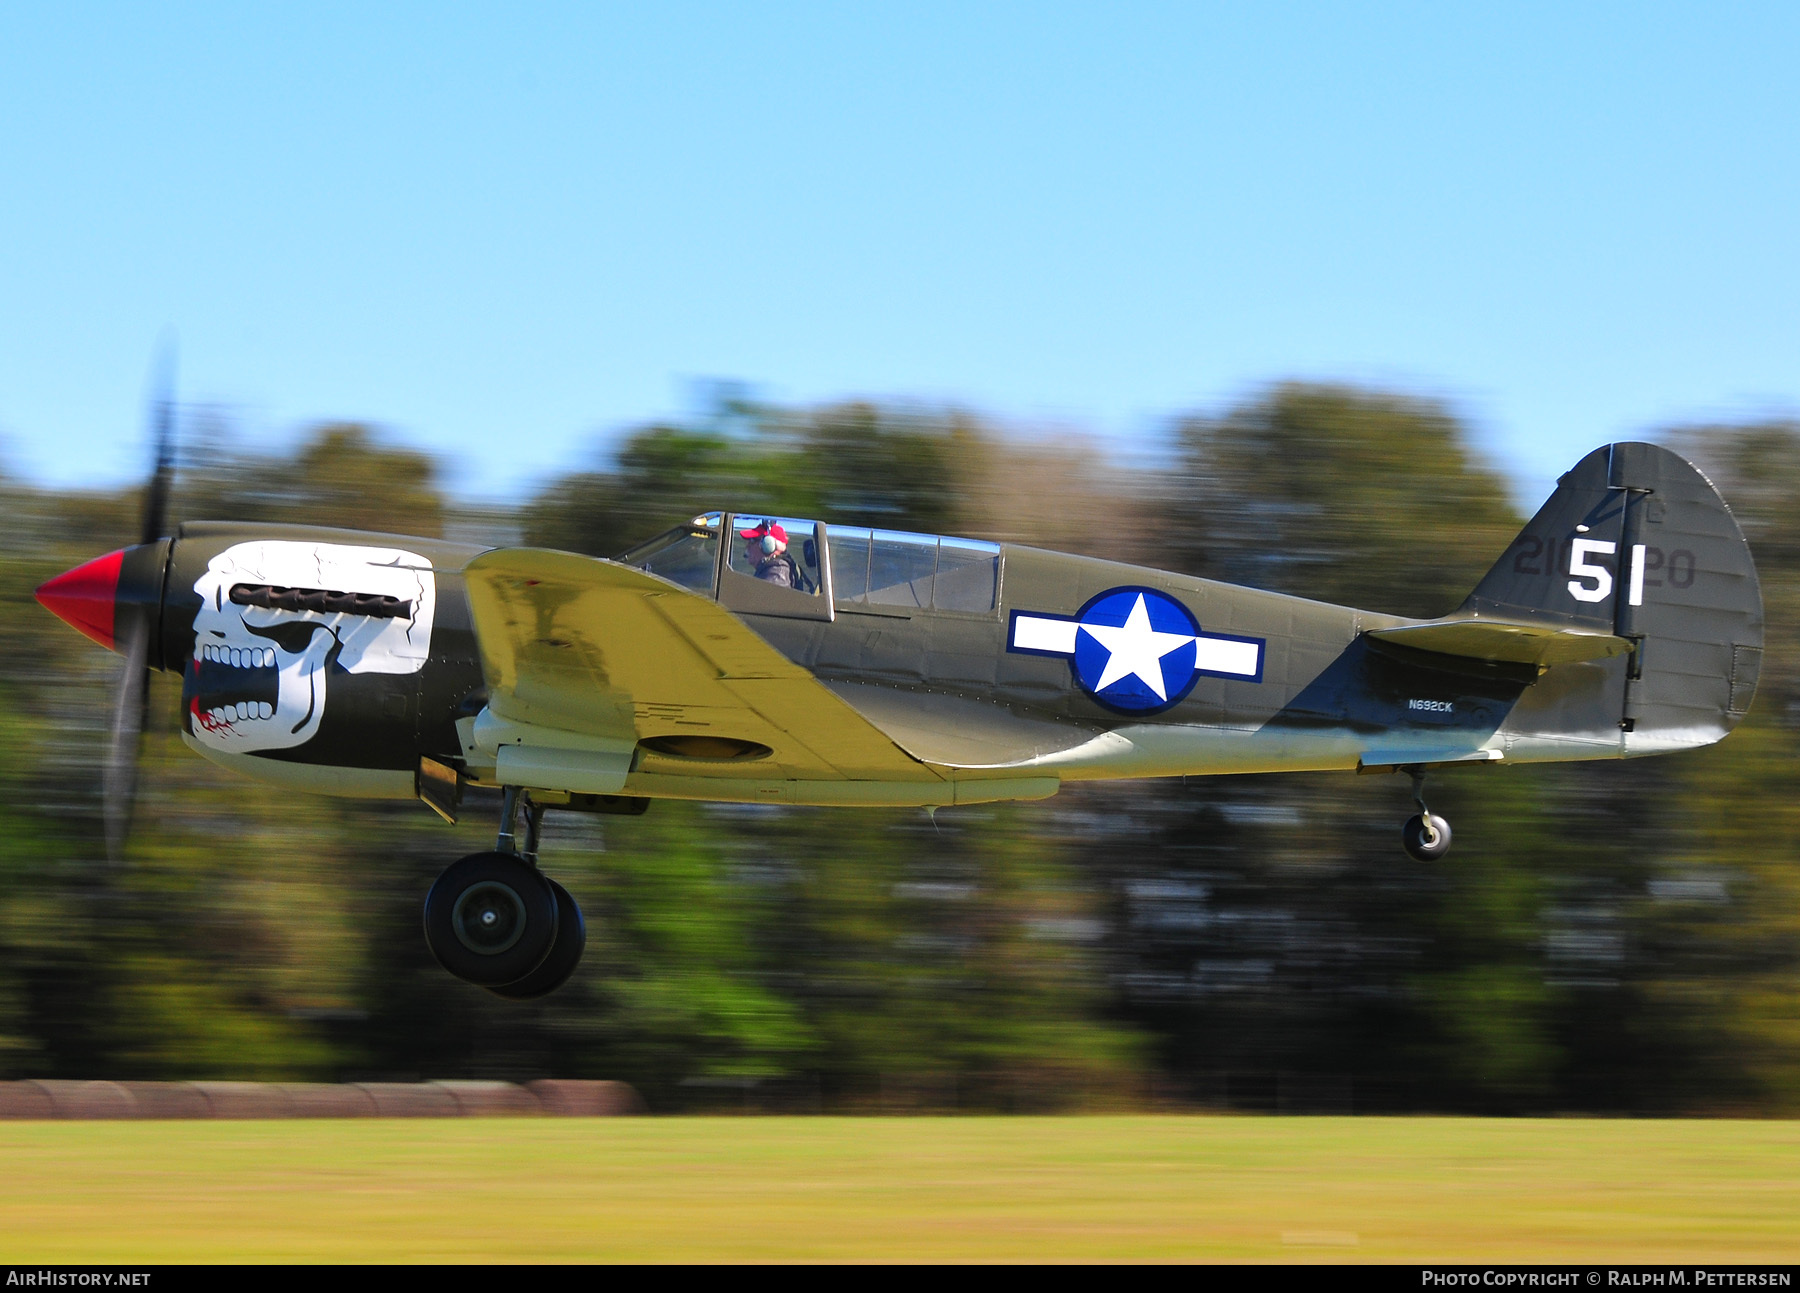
[(1604, 937)]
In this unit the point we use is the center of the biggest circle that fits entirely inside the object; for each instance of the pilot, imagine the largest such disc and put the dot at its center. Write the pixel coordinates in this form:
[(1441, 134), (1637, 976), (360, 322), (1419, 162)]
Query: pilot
[(766, 547)]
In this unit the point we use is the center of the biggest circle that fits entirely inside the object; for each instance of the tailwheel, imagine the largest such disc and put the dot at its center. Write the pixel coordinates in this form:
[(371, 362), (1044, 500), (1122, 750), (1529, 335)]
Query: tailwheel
[(1426, 836), (491, 919), (565, 955)]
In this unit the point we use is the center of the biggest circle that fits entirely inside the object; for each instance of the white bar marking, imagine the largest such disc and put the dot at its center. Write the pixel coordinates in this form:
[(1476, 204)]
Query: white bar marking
[(1035, 633), (1211, 655), (1637, 574), (1221, 655)]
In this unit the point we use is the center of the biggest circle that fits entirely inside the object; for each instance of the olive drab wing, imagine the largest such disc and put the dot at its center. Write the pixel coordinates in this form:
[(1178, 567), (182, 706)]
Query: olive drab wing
[(593, 667)]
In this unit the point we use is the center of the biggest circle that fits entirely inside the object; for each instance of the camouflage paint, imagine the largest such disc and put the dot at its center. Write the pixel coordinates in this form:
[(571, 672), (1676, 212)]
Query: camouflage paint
[(1635, 544)]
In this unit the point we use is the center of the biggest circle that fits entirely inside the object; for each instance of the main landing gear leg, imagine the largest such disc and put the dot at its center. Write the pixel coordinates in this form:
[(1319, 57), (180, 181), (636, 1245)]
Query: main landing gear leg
[(495, 920), (518, 808), (1426, 836)]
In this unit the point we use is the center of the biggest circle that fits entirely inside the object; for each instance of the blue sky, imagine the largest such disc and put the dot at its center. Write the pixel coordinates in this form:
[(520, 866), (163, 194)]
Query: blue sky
[(505, 233)]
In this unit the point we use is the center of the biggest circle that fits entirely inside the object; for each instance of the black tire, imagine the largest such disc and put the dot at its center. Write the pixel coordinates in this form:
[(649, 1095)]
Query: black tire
[(1426, 845), (490, 918), (571, 938)]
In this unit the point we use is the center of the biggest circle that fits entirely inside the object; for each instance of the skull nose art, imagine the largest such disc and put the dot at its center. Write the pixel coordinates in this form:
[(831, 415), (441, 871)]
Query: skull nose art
[(86, 597)]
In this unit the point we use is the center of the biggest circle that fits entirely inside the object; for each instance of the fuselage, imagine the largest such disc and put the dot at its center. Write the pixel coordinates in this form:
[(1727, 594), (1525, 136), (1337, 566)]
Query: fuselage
[(988, 689)]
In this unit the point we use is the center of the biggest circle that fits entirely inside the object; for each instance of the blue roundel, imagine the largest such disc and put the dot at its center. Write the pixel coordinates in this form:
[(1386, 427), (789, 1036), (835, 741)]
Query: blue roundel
[(1135, 649)]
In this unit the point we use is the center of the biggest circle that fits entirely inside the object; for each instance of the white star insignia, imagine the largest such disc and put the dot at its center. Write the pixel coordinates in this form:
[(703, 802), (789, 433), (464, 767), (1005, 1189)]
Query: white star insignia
[(1137, 649)]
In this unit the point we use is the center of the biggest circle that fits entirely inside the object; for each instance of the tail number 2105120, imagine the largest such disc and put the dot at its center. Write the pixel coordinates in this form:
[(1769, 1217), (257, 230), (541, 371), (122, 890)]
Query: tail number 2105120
[(1593, 580)]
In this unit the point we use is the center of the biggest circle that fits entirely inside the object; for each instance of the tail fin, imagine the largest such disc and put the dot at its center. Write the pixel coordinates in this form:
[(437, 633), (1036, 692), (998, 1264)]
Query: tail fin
[(1636, 543)]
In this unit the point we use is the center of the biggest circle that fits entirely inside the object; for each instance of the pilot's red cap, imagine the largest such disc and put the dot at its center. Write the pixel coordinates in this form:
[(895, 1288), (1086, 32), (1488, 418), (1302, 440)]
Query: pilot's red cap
[(767, 527)]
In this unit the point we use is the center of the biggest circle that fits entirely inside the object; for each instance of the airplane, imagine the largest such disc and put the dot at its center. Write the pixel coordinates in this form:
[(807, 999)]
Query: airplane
[(785, 660)]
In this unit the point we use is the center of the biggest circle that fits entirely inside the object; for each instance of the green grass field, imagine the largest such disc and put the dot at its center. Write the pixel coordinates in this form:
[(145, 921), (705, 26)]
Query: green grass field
[(832, 1189)]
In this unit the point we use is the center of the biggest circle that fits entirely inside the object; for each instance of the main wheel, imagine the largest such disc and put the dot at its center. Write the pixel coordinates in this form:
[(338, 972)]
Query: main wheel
[(1425, 842), (571, 937), (490, 919)]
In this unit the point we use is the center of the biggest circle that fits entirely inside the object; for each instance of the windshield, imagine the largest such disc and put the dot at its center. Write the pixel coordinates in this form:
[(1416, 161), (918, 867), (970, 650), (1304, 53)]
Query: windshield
[(687, 555)]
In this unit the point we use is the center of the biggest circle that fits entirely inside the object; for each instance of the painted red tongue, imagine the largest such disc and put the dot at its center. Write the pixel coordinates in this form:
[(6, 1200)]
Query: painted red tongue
[(84, 598)]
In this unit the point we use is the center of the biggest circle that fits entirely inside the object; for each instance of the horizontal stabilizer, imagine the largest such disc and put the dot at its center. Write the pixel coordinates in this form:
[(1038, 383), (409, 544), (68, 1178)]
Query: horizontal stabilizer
[(1509, 641)]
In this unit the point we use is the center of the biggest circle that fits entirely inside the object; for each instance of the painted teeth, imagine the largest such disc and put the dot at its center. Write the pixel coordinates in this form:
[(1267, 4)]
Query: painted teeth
[(242, 711), (252, 658)]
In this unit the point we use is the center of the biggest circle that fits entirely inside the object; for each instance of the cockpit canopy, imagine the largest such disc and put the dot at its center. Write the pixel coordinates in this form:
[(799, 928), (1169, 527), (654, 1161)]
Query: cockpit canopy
[(779, 565)]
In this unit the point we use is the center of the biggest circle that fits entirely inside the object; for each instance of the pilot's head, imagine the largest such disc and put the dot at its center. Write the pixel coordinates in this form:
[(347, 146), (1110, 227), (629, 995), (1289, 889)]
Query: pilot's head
[(765, 540)]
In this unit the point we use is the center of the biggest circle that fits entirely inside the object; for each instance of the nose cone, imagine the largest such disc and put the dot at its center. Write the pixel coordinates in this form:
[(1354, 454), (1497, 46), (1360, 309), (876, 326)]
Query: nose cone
[(87, 597)]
